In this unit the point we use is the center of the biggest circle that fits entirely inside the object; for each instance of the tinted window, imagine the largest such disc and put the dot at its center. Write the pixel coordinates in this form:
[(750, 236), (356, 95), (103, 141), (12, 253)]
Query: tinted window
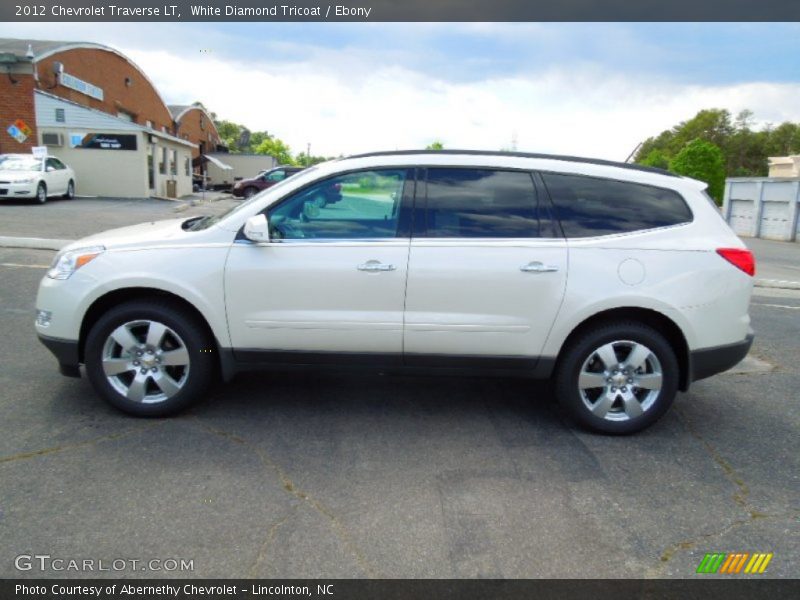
[(481, 203), (590, 206), (275, 175), (358, 205)]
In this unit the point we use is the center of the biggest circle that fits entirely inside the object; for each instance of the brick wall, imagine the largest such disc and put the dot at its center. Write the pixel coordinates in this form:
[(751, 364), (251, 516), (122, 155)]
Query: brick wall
[(16, 102), (124, 87), (196, 127)]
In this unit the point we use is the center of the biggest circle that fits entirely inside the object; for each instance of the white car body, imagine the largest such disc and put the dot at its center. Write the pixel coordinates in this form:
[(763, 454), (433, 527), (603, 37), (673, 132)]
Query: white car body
[(446, 302), (24, 183)]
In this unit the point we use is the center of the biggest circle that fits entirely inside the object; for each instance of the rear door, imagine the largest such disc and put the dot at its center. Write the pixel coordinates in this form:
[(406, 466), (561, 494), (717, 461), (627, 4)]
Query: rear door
[(55, 176), (487, 268)]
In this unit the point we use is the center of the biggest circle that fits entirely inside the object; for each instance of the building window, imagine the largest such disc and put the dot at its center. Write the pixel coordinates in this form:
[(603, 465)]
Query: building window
[(187, 166), (202, 123), (173, 163), (61, 117), (162, 164), (125, 116), (149, 124)]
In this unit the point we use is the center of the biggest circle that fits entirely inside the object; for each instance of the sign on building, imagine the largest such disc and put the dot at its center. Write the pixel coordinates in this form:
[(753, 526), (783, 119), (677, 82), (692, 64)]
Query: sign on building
[(79, 85), (104, 141)]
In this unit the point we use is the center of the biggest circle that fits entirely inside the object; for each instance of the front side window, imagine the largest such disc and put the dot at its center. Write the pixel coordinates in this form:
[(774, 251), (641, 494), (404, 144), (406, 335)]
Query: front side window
[(361, 205), (481, 203), (591, 206), (275, 175)]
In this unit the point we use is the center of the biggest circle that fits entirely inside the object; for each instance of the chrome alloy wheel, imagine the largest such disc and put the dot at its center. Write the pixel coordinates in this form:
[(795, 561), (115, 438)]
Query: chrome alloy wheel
[(145, 361), (620, 380)]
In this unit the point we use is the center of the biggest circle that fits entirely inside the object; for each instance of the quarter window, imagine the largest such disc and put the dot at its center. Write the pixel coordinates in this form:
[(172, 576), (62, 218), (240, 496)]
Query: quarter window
[(481, 203), (362, 205), (590, 206)]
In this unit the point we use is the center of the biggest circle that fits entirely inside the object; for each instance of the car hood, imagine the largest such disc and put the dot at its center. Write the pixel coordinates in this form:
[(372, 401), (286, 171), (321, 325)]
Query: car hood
[(144, 235), (17, 175)]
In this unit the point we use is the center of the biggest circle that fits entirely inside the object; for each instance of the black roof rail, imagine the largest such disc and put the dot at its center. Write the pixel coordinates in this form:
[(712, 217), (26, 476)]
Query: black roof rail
[(578, 159)]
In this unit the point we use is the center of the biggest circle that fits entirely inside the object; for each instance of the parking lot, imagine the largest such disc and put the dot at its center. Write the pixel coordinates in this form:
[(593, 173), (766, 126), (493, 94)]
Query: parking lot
[(297, 475)]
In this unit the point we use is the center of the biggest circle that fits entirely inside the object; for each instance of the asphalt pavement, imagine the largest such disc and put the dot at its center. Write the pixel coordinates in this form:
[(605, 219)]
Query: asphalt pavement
[(297, 475)]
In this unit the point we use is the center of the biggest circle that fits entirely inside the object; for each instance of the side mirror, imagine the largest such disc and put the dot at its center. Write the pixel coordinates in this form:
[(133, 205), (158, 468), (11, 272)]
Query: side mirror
[(256, 229)]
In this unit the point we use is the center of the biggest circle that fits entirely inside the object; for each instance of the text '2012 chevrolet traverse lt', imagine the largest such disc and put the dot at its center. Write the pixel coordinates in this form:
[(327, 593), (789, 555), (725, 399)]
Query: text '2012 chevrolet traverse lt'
[(621, 283)]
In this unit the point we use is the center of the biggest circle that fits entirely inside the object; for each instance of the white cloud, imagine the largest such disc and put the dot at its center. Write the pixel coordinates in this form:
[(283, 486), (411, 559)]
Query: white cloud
[(585, 110), (351, 97)]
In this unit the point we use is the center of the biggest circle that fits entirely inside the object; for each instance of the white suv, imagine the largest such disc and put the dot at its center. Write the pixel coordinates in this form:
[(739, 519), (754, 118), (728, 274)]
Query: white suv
[(622, 283)]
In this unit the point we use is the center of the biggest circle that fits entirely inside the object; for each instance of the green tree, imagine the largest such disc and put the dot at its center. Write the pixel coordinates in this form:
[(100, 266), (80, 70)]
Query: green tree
[(307, 161), (702, 160), (435, 145), (276, 148), (656, 158)]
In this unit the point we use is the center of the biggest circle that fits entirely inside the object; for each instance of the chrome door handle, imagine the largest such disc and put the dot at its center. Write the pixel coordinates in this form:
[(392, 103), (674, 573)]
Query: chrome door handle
[(537, 267), (374, 265)]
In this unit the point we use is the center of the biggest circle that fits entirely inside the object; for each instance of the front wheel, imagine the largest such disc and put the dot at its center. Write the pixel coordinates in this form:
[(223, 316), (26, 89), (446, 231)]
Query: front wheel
[(41, 193), (148, 358), (249, 192), (618, 378)]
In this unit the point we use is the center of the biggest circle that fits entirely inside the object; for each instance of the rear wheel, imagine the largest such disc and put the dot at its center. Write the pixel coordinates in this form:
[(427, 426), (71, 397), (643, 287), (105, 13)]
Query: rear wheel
[(618, 378), (41, 193), (70, 190), (147, 358)]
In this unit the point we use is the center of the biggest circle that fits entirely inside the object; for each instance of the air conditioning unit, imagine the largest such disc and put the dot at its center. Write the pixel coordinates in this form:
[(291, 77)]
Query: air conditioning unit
[(52, 139)]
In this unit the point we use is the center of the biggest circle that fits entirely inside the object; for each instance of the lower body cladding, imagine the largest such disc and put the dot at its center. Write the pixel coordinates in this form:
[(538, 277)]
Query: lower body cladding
[(703, 363)]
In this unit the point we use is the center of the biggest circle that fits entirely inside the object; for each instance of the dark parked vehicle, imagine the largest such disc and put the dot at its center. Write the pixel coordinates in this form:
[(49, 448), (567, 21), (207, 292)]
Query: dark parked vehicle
[(247, 187)]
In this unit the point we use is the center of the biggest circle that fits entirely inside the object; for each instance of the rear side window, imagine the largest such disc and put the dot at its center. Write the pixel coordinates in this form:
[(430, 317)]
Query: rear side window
[(481, 203), (591, 206)]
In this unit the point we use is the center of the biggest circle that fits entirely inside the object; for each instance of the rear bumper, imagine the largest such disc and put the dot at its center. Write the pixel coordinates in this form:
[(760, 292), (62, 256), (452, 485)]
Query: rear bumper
[(710, 361), (66, 352)]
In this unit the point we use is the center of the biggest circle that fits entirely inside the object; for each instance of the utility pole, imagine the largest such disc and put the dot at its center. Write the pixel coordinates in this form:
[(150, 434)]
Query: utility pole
[(308, 153)]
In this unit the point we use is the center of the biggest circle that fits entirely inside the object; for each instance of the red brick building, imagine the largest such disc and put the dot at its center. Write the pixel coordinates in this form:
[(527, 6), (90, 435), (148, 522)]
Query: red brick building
[(193, 123), (60, 94)]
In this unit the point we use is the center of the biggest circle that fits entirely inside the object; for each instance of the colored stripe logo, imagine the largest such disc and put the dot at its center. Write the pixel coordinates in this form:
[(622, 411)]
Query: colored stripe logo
[(732, 563)]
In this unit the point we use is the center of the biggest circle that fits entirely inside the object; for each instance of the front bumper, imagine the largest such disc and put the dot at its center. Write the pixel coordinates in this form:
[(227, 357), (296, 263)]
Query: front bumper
[(67, 352), (710, 361), (17, 190)]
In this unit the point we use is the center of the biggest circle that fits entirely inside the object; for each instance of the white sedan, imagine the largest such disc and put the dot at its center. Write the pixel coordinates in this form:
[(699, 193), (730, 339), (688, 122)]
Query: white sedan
[(26, 176)]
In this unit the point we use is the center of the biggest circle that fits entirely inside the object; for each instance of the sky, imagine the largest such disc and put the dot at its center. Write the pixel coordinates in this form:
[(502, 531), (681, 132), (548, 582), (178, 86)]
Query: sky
[(589, 89)]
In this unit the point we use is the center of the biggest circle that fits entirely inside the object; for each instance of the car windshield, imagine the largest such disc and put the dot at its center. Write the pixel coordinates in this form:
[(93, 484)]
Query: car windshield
[(199, 223), (20, 163)]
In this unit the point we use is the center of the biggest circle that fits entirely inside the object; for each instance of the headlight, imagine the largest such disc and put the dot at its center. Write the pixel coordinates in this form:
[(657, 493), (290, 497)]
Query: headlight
[(28, 180), (67, 262)]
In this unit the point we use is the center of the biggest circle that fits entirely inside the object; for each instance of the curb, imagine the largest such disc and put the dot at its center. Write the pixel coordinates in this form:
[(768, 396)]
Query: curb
[(780, 284), (33, 243)]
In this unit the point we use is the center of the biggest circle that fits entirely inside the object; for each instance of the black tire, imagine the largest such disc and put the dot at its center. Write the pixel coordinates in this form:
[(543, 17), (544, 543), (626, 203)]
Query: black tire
[(41, 193), (199, 344), (70, 190), (617, 419), (249, 192)]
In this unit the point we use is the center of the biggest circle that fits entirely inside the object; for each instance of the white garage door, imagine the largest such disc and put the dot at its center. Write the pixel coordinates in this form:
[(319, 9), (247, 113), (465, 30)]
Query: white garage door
[(742, 217), (775, 220)]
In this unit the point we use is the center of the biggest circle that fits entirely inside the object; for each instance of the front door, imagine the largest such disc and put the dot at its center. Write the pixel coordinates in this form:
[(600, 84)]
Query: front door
[(332, 278), (487, 269)]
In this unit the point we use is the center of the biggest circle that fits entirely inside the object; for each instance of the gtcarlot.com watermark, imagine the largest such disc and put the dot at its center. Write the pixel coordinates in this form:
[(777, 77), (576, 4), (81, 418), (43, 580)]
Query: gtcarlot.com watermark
[(45, 563)]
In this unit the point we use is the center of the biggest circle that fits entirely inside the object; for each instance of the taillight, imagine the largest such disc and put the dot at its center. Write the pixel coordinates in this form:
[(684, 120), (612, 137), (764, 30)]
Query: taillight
[(741, 259)]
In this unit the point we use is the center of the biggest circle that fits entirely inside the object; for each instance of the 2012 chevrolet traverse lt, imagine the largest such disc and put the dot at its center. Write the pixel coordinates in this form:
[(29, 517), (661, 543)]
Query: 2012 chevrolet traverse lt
[(621, 283)]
